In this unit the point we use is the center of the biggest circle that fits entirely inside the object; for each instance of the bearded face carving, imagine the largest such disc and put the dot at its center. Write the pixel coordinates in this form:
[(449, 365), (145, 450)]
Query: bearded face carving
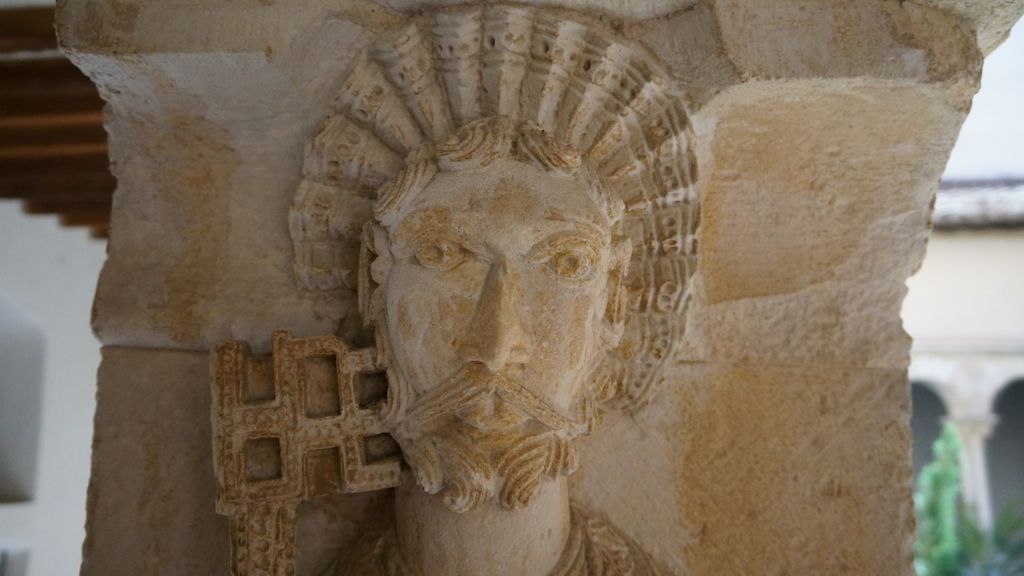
[(497, 292), (519, 187)]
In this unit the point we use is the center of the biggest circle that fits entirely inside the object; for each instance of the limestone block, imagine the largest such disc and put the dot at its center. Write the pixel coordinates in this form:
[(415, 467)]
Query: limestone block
[(833, 491), (152, 474), (991, 20), (762, 470), (691, 46), (836, 39), (802, 206), (207, 147), (152, 488)]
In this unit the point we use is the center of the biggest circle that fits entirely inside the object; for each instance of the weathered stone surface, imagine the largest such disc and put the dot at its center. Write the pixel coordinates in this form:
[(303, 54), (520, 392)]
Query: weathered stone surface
[(990, 20), (833, 493), (803, 203), (275, 162), (152, 473), (772, 469), (149, 509), (222, 186), (839, 39)]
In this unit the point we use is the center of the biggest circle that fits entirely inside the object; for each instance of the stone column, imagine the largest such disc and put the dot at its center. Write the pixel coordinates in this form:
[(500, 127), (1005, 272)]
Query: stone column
[(777, 440), (968, 382), (974, 433)]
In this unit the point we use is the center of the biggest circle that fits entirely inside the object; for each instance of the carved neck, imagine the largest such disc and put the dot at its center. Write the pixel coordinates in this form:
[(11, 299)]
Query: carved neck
[(487, 540)]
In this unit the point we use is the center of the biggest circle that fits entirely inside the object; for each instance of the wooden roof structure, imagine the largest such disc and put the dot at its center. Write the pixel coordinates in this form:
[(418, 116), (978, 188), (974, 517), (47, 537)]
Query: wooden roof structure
[(979, 204), (53, 149)]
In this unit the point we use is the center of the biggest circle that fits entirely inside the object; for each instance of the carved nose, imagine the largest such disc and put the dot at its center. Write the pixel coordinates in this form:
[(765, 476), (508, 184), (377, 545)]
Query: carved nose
[(494, 336)]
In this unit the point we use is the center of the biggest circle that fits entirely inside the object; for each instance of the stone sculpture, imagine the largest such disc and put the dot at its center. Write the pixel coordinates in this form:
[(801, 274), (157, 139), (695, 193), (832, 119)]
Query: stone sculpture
[(509, 191), (770, 436)]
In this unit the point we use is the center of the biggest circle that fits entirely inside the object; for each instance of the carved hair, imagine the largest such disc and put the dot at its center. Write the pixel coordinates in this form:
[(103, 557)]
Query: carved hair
[(513, 81), (479, 144)]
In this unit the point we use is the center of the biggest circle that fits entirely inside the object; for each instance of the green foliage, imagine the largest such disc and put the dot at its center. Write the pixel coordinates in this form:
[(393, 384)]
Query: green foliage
[(949, 540), (938, 549), (1000, 553)]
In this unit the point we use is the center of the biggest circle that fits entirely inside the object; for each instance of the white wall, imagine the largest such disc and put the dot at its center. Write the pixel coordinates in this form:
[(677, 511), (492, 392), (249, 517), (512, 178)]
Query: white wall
[(22, 349), (49, 274), (969, 292)]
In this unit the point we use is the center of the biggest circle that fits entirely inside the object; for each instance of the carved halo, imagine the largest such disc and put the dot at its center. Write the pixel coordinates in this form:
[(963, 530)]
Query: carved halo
[(602, 94)]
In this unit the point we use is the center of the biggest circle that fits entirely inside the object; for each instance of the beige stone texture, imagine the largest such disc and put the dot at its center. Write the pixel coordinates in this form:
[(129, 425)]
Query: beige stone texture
[(204, 166), (803, 204), (762, 470), (990, 20), (152, 471), (152, 485), (838, 39), (778, 441)]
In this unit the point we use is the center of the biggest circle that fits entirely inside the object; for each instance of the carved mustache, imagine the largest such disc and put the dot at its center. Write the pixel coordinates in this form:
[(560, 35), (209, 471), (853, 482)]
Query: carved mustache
[(473, 385)]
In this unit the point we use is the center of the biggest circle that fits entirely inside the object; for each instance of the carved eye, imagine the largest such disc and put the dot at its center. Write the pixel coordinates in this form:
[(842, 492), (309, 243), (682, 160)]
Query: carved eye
[(570, 258), (440, 255), (572, 265)]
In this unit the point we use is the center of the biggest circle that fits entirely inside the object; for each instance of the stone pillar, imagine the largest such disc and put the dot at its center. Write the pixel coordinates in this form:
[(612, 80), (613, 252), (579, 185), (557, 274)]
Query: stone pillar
[(974, 433), (969, 382), (766, 430)]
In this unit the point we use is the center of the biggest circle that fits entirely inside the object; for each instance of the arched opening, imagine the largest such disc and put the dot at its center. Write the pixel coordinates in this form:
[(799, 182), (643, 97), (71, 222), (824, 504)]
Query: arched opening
[(1005, 449), (925, 423)]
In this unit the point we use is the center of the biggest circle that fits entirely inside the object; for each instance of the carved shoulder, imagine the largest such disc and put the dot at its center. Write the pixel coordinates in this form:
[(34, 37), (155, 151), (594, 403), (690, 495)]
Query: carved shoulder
[(374, 554), (597, 548)]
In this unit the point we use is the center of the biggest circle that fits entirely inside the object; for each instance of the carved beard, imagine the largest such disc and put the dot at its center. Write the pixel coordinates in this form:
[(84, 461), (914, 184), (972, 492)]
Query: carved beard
[(480, 435)]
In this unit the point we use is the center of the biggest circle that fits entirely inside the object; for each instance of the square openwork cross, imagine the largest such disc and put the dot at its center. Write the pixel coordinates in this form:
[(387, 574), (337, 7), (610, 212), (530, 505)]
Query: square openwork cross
[(289, 426)]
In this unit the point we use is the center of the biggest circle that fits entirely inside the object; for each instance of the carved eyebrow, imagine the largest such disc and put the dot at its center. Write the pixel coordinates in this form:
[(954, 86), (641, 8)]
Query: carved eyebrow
[(421, 222), (419, 226), (549, 245), (584, 227), (414, 228)]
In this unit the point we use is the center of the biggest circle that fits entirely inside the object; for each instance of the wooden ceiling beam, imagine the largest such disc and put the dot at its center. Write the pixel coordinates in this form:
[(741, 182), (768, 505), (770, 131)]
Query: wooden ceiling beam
[(50, 206), (53, 148), (54, 152), (100, 231), (27, 30), (35, 104), (57, 182), (33, 71), (14, 167), (85, 218), (50, 85), (68, 194), (28, 136), (51, 121)]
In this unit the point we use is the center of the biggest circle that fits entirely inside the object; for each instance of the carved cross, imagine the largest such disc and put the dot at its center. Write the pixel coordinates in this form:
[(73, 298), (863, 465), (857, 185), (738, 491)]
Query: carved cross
[(296, 424)]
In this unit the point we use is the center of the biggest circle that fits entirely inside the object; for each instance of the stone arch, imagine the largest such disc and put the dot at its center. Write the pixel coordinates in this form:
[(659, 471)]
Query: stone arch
[(1005, 450), (929, 413)]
